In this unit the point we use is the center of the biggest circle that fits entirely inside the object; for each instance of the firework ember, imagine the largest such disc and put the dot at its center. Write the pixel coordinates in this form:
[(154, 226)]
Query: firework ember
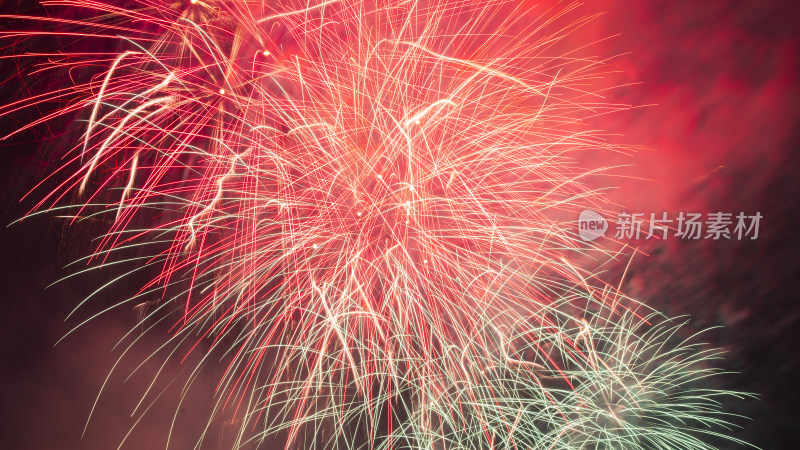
[(363, 211)]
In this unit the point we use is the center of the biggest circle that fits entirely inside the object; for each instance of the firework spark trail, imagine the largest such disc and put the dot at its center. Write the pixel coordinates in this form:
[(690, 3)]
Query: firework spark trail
[(360, 210)]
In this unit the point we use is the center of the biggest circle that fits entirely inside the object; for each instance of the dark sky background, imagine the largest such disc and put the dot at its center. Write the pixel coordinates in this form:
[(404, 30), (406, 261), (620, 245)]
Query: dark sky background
[(722, 81)]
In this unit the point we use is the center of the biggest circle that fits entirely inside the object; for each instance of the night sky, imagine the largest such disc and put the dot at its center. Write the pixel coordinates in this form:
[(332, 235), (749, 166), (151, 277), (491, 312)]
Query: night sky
[(717, 91)]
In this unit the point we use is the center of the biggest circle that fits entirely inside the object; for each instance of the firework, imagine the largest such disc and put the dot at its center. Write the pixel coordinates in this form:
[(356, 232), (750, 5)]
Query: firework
[(358, 208)]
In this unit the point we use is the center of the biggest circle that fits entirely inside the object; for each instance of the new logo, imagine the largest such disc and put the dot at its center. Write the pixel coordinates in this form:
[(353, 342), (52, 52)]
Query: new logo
[(591, 225)]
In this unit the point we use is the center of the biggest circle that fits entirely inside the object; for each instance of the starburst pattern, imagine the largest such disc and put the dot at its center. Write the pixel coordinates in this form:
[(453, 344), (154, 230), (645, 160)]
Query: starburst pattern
[(359, 208)]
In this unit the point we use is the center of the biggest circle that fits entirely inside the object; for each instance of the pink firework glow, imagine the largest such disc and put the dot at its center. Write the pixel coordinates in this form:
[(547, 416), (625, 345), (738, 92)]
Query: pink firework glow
[(364, 212)]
